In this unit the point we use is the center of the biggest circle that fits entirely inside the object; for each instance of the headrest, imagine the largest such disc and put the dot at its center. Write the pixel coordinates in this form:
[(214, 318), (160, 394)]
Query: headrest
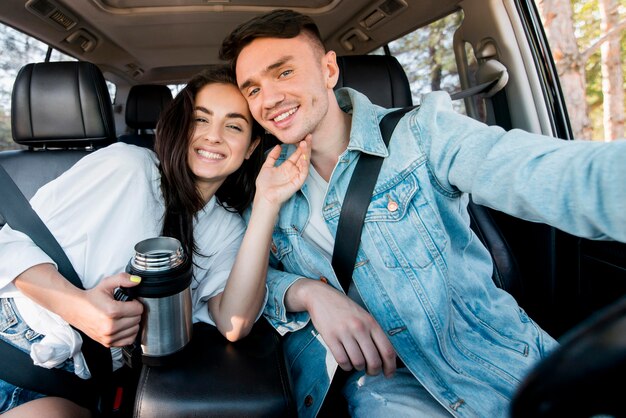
[(61, 104), (144, 105), (380, 77)]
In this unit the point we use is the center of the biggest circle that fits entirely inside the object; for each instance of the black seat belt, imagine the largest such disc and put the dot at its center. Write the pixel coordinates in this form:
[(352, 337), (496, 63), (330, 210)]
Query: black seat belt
[(356, 202), (18, 367)]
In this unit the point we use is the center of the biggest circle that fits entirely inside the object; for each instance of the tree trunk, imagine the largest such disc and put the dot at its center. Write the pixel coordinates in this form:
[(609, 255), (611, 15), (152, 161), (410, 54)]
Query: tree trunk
[(612, 88), (558, 22)]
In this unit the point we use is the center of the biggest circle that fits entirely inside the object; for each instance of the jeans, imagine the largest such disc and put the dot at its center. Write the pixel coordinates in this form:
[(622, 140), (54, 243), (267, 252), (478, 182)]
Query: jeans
[(399, 397), (15, 331)]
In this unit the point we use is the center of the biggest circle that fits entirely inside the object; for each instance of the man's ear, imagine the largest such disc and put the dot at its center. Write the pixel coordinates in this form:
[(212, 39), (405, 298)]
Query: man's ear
[(329, 63), (255, 143)]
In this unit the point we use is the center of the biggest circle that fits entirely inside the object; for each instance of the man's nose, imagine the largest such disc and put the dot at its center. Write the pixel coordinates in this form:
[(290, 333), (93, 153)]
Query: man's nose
[(271, 96)]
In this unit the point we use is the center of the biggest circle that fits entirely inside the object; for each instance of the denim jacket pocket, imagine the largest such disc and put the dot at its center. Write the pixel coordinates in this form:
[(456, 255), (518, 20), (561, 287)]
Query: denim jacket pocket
[(485, 346), (395, 215)]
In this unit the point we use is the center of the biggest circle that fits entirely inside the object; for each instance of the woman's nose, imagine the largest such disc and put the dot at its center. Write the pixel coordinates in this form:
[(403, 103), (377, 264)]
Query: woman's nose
[(213, 134), (214, 138)]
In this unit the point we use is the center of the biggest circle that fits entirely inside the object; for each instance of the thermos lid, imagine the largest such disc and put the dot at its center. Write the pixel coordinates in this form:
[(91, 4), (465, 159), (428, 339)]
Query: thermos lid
[(158, 254), (163, 266)]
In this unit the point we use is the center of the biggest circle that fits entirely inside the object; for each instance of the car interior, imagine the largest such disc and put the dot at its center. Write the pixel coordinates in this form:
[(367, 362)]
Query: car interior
[(61, 111)]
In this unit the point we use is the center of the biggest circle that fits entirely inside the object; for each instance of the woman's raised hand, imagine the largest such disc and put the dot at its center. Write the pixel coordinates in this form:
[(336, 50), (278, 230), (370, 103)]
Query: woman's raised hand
[(276, 184)]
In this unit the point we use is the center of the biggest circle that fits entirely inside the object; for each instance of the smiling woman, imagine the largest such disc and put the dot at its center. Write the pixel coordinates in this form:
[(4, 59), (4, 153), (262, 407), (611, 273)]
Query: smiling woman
[(204, 137), (222, 135)]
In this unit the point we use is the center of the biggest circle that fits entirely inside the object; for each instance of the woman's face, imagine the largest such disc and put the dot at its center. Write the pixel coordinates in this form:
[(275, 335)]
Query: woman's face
[(221, 138)]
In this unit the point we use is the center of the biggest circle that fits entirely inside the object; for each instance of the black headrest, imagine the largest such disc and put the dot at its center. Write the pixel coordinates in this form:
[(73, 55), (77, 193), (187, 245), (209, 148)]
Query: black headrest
[(380, 77), (61, 104), (144, 105)]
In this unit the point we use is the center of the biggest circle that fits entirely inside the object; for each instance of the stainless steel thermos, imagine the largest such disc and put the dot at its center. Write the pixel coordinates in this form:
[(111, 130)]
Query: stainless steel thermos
[(165, 292)]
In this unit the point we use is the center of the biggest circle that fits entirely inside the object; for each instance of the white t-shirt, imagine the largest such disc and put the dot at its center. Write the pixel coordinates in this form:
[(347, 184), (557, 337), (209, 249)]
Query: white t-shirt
[(316, 231), (99, 209)]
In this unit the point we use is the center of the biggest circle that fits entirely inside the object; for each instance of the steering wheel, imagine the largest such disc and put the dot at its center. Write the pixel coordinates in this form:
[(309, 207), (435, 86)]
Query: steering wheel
[(585, 376)]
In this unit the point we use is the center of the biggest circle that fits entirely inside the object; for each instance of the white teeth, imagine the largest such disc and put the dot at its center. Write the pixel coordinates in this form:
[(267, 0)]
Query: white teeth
[(210, 155), (285, 115)]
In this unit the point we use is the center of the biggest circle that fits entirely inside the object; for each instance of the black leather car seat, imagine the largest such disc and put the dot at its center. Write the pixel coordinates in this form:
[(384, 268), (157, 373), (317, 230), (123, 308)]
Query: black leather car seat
[(61, 111), (143, 107), (380, 77), (383, 80)]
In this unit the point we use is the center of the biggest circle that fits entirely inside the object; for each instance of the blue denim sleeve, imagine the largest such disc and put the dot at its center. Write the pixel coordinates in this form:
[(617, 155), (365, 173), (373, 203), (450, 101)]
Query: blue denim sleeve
[(278, 282), (576, 186)]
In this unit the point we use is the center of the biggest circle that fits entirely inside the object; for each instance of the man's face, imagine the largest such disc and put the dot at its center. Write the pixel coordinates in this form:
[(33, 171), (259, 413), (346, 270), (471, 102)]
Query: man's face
[(286, 83)]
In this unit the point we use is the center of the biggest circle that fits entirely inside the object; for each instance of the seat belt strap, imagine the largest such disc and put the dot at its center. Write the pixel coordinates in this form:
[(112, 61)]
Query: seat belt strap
[(18, 367), (20, 215), (474, 90), (356, 202), (19, 370)]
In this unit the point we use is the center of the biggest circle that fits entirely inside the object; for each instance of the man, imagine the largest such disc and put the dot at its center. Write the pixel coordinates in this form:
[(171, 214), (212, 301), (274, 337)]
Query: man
[(422, 287)]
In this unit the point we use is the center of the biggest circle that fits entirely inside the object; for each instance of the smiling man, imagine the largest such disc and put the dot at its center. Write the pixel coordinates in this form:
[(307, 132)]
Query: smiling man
[(422, 289)]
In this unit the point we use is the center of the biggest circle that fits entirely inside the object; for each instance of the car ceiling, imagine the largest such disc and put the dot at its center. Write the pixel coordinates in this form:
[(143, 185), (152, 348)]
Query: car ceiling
[(167, 41)]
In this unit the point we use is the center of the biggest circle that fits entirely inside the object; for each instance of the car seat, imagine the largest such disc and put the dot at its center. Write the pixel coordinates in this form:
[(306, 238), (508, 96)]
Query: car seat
[(61, 111), (144, 105)]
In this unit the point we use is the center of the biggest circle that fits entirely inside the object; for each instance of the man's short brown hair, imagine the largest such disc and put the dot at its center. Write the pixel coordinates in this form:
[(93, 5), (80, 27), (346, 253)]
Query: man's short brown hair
[(282, 23)]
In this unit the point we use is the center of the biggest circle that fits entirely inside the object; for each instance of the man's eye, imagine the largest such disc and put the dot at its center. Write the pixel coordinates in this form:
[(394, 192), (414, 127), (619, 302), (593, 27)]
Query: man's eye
[(253, 92), (285, 73)]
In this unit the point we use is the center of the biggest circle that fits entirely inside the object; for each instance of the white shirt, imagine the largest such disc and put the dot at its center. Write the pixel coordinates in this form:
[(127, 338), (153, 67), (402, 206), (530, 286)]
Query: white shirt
[(98, 210), (316, 231)]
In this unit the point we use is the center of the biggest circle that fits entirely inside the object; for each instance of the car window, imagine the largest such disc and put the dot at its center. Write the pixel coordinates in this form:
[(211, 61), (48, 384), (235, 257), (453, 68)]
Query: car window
[(586, 66), (588, 44), (427, 57), (19, 49)]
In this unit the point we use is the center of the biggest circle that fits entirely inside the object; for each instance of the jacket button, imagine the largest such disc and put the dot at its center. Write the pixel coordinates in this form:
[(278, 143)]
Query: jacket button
[(392, 206), (323, 280), (308, 400)]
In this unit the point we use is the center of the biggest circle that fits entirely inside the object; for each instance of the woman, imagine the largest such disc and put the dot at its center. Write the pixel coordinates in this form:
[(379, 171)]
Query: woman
[(207, 156)]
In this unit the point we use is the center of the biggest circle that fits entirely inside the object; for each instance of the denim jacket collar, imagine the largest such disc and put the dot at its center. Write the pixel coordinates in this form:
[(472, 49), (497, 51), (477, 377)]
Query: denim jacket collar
[(364, 114)]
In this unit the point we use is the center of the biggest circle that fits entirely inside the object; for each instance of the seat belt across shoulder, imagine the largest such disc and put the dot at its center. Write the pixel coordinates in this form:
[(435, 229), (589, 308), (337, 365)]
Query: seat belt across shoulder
[(18, 367), (356, 201)]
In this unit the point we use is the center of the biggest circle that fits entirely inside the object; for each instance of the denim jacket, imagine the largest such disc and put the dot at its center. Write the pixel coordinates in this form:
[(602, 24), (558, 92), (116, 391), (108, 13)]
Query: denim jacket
[(420, 270)]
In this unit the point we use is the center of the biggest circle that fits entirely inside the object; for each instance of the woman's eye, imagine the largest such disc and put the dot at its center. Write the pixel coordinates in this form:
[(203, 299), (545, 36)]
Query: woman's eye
[(235, 128), (201, 120)]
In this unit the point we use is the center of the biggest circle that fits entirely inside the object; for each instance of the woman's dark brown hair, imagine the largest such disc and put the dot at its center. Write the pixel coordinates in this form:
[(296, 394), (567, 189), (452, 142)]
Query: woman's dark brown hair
[(178, 183)]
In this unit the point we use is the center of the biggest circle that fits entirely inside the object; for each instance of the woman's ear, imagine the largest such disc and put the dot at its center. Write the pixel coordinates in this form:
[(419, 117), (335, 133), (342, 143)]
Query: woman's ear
[(255, 143)]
